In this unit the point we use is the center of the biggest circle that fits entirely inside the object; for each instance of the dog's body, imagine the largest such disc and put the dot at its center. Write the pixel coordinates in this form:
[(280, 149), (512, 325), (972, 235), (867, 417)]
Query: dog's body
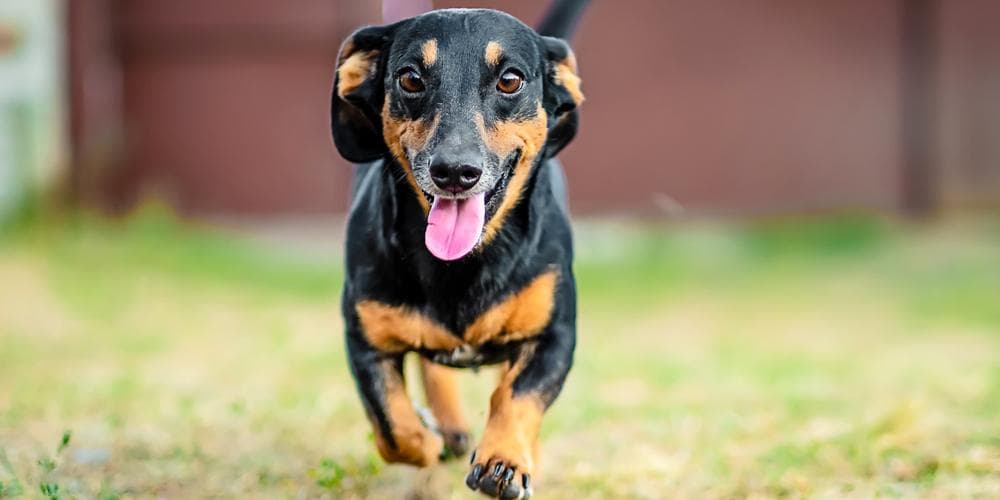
[(458, 239)]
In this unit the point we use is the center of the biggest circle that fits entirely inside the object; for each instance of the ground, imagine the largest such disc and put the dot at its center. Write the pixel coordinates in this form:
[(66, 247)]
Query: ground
[(844, 357)]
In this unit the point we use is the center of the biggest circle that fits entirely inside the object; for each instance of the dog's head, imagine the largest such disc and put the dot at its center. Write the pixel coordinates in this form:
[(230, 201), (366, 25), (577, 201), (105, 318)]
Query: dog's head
[(468, 102)]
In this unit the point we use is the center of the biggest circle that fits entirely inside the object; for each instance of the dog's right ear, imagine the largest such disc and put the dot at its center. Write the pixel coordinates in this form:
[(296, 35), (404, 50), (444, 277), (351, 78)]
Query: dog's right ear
[(562, 94), (358, 93)]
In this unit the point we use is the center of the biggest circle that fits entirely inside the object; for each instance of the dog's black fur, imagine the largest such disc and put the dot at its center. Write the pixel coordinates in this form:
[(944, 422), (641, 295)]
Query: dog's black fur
[(387, 262)]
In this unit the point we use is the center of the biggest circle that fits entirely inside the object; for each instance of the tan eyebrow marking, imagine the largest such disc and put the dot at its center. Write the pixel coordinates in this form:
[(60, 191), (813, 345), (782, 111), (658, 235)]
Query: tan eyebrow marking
[(429, 49), (493, 53)]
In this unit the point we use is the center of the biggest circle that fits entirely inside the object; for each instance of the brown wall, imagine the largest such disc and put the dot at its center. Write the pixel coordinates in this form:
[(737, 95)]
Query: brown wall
[(736, 106), (225, 104), (969, 101), (718, 106)]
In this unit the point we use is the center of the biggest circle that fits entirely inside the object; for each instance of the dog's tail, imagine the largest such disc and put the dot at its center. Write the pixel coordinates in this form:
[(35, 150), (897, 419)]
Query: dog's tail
[(561, 19)]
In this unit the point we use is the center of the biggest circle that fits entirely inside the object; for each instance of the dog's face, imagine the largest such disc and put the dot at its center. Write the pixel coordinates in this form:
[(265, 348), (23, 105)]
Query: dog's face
[(467, 101)]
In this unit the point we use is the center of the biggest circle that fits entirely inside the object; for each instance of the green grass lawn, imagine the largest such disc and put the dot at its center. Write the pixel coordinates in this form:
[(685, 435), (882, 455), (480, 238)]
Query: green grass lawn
[(833, 358)]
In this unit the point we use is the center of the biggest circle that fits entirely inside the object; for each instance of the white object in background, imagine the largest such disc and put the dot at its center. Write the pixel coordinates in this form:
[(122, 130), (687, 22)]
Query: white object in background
[(31, 107)]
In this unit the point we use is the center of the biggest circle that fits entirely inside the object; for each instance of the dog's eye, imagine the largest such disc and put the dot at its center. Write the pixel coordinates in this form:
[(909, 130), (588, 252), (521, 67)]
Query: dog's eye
[(510, 82), (411, 82)]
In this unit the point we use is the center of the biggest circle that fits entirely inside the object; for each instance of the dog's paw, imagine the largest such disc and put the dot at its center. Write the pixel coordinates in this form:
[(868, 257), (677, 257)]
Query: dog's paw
[(414, 445), (456, 443), (498, 477)]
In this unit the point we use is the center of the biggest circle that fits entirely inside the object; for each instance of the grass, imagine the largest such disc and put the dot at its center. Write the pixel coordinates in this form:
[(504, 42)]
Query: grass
[(845, 357)]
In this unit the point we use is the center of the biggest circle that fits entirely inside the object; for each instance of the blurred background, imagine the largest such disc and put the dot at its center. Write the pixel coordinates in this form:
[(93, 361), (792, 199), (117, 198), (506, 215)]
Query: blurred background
[(724, 108), (787, 224)]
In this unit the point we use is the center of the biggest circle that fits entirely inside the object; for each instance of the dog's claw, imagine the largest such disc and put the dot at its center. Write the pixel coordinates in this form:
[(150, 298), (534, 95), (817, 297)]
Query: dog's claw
[(509, 490), (472, 480), (490, 484), (499, 480)]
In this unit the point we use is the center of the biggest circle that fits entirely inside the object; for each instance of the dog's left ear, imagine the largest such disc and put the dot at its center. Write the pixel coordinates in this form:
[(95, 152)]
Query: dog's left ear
[(358, 94), (562, 93)]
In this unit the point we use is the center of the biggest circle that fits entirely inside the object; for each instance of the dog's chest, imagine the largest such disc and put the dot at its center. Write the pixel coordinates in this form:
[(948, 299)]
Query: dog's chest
[(464, 355), (519, 316)]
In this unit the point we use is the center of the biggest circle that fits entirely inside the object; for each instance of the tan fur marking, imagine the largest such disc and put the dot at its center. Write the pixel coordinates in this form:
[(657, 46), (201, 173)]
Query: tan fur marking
[(407, 135), (511, 434), (441, 388), (398, 329), (354, 69), (429, 50), (415, 444), (493, 52), (503, 138), (566, 75), (520, 316)]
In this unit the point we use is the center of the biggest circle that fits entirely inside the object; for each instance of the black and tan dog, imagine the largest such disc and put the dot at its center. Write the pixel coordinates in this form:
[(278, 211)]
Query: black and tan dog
[(459, 245)]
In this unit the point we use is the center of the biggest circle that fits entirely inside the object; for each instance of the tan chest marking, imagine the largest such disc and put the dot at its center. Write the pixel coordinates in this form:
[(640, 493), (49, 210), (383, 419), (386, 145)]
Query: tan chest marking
[(519, 316), (396, 329)]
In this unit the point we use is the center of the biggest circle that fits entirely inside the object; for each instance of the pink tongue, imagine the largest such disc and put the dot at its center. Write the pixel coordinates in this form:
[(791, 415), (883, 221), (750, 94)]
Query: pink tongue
[(454, 226)]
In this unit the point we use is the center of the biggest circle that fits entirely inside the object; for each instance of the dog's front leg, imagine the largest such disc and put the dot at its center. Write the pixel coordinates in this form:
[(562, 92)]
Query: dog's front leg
[(441, 388), (505, 461), (400, 435)]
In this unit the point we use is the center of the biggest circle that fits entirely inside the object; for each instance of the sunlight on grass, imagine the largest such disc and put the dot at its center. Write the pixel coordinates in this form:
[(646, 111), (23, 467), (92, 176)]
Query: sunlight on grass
[(827, 357)]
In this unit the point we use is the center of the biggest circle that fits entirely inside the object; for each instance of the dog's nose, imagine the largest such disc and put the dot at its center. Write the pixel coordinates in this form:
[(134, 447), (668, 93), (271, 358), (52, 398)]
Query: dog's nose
[(455, 178)]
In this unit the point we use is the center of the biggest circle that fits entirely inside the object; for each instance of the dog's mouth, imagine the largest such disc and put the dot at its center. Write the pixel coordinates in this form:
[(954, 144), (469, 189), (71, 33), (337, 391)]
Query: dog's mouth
[(455, 225), (495, 195)]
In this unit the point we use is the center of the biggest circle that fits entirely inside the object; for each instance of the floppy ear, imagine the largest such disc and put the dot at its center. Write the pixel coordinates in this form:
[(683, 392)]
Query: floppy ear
[(562, 94), (358, 93)]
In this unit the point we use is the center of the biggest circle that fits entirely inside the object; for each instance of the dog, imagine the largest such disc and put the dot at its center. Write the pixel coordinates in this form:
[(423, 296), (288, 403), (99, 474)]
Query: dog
[(458, 238)]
